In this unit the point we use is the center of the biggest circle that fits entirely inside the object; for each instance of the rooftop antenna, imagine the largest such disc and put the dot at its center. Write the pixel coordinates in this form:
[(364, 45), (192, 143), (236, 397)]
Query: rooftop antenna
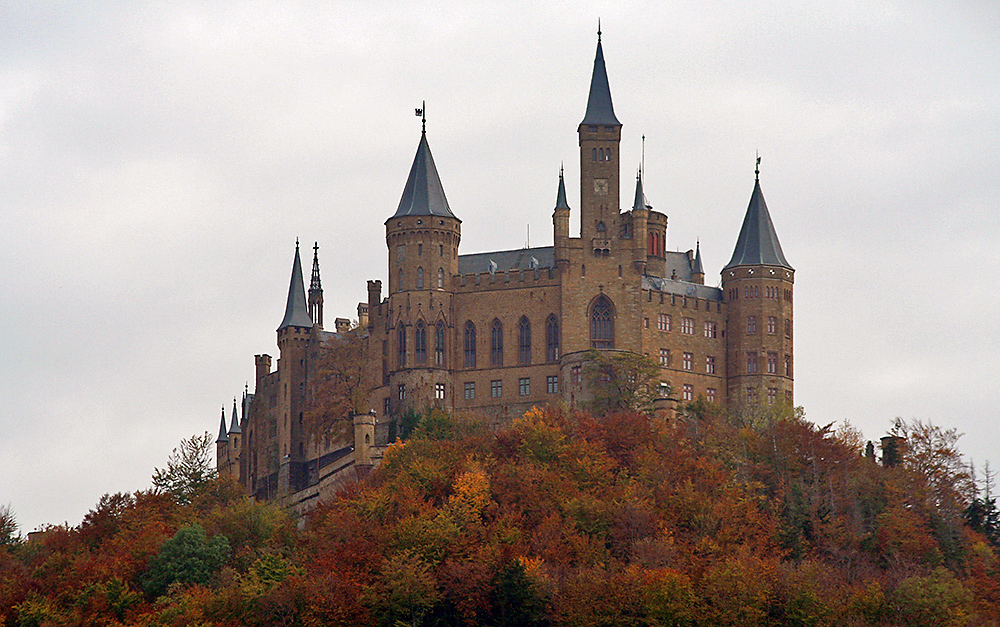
[(422, 114)]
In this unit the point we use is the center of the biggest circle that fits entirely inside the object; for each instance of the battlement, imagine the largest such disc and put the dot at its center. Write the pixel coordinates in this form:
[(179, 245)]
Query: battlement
[(505, 280)]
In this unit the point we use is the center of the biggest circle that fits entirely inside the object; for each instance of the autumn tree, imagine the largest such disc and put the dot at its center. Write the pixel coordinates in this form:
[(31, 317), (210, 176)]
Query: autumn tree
[(343, 382), (8, 526), (189, 469), (621, 380)]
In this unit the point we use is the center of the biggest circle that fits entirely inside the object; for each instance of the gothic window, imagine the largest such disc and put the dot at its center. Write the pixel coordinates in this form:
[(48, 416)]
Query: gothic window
[(524, 341), (751, 325), (470, 344), (772, 363), (593, 156), (649, 245), (400, 280), (602, 323), (420, 343), (420, 278), (401, 344), (772, 325), (600, 153), (439, 344), (552, 339), (496, 343), (440, 278), (751, 362)]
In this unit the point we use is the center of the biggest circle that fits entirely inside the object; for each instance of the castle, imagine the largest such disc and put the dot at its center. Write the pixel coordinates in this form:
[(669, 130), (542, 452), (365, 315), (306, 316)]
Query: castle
[(498, 332)]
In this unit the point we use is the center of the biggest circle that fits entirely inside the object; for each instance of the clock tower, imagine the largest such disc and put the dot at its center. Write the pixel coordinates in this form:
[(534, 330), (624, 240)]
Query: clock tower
[(600, 136)]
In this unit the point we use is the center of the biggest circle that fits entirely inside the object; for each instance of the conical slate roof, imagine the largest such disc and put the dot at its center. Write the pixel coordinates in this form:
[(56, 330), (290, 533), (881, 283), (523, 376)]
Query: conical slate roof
[(698, 268), (561, 202), (758, 241), (223, 438), (600, 111), (235, 426), (423, 194), (296, 311), (640, 198)]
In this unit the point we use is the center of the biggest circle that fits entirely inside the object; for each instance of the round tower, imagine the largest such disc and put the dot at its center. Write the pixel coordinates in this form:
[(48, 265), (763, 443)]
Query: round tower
[(757, 288)]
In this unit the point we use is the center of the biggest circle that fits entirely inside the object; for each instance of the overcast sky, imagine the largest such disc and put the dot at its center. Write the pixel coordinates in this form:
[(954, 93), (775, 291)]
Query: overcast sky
[(158, 160)]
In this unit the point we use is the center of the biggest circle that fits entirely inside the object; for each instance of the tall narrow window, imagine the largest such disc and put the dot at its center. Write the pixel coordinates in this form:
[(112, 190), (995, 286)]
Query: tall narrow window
[(400, 289), (401, 344), (470, 344), (496, 343), (552, 339), (524, 341), (420, 343), (440, 278), (420, 278), (602, 323), (439, 344)]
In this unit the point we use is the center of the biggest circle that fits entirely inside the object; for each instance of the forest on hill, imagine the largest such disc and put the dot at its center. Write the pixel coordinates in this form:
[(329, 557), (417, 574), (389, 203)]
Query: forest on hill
[(562, 518)]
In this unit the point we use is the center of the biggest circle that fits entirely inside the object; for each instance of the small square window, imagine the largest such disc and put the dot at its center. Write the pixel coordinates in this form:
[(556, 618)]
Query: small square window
[(524, 386), (470, 390), (496, 388), (688, 361), (665, 357), (439, 391), (688, 392), (710, 394), (552, 384)]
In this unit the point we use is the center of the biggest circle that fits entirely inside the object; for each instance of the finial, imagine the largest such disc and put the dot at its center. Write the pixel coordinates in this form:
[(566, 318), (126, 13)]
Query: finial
[(598, 30), (246, 388), (560, 169), (296, 244), (422, 114), (642, 161), (315, 249), (756, 171)]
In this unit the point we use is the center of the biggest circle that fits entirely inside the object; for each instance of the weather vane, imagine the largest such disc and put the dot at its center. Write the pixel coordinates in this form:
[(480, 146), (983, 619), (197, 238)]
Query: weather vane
[(422, 114)]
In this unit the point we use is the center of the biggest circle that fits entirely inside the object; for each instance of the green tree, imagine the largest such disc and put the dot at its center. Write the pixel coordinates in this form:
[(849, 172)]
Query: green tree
[(621, 380), (190, 556), (189, 469)]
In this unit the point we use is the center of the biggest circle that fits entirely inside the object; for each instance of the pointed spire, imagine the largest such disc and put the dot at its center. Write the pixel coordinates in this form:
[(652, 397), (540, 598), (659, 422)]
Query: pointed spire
[(640, 197), (223, 438), (296, 311), (600, 111), (561, 202), (758, 242), (423, 194), (315, 284), (698, 267), (235, 426)]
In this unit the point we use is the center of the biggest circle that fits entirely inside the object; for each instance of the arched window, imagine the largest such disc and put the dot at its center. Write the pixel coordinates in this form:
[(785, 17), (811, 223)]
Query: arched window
[(420, 278), (470, 344), (439, 344), (602, 323), (496, 343), (400, 282), (420, 343), (552, 338), (440, 278), (650, 246), (401, 344), (600, 153), (524, 341), (593, 156)]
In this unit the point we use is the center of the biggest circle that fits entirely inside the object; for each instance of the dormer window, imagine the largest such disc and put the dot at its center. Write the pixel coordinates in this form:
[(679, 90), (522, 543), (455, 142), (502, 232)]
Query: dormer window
[(592, 129)]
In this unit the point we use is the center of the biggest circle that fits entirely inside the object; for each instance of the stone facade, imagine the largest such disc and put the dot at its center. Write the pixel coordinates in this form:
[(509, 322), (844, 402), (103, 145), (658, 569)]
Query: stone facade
[(499, 332)]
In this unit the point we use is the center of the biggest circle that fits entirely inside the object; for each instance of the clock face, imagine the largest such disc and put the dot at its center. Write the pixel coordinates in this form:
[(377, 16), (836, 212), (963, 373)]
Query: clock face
[(601, 187)]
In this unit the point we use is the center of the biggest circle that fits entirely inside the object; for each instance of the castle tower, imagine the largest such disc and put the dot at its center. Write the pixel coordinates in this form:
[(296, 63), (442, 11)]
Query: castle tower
[(234, 446), (560, 226), (423, 237), (222, 446), (600, 135), (640, 218), (697, 267), (757, 285), (294, 336), (316, 291)]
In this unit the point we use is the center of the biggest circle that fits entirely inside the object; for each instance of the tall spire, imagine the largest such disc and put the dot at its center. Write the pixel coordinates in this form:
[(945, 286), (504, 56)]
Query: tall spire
[(600, 111), (235, 426), (314, 284), (698, 267), (640, 197), (561, 202), (223, 438), (423, 194), (758, 241), (296, 311)]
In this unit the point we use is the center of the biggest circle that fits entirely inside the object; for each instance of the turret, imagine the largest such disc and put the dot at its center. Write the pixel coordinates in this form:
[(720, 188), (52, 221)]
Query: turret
[(697, 268), (221, 444), (757, 285), (423, 234), (560, 225), (640, 217), (316, 291), (600, 135)]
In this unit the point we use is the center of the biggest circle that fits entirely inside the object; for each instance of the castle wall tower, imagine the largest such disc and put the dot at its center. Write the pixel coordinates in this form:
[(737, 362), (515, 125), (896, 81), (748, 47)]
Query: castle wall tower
[(560, 226), (423, 237), (222, 447), (234, 447), (294, 336), (600, 134), (757, 286), (640, 220)]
